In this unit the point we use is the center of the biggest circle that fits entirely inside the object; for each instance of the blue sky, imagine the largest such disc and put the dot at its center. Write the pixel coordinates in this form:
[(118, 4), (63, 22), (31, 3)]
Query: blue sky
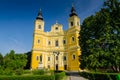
[(17, 19)]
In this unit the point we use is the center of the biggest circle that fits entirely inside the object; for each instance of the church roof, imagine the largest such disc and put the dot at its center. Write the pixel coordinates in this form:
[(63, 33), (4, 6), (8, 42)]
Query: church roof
[(73, 12), (39, 15)]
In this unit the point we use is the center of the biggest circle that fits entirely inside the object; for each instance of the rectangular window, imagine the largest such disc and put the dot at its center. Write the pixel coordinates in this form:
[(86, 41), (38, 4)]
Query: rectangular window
[(49, 42), (48, 66), (48, 58), (40, 58), (64, 58), (56, 57), (56, 43), (78, 23), (64, 41)]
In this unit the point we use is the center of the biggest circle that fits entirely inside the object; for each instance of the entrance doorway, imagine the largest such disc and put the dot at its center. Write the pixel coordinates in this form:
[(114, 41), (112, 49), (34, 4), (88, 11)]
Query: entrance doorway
[(65, 67), (56, 67)]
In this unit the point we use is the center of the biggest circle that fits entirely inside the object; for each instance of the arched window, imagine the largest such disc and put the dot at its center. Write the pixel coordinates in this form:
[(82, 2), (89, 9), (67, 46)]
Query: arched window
[(40, 58), (37, 58), (71, 23), (73, 39), (73, 56), (38, 41), (56, 28), (39, 26)]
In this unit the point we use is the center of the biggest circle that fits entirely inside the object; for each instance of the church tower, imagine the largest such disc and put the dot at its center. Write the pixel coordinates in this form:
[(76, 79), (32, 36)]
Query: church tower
[(39, 22), (74, 20), (72, 39), (37, 54)]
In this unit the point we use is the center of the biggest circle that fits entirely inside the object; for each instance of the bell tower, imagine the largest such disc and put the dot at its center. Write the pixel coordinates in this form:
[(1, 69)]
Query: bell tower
[(39, 22), (74, 20)]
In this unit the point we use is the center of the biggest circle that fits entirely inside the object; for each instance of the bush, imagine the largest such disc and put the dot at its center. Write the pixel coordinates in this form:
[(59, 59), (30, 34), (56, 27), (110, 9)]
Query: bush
[(27, 72), (31, 77), (19, 71), (8, 72), (99, 76), (118, 77), (39, 72), (60, 76)]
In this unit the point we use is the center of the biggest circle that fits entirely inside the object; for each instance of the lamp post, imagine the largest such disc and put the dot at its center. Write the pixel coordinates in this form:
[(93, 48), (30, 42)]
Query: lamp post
[(56, 53)]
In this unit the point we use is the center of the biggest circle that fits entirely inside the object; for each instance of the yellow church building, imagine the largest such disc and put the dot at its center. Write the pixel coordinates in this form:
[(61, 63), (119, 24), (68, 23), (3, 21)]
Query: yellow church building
[(58, 49)]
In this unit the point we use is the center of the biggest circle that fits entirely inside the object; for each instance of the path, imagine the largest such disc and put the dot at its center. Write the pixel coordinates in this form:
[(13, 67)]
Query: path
[(75, 76)]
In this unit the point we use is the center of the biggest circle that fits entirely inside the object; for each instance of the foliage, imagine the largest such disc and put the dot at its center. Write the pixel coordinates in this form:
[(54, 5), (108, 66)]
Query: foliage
[(99, 76), (60, 76), (14, 61), (100, 38), (1, 59), (19, 72), (39, 72), (28, 54), (29, 77)]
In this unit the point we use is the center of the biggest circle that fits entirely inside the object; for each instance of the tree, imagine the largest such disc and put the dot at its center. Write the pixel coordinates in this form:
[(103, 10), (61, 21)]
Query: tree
[(1, 59), (100, 38), (28, 54), (15, 61)]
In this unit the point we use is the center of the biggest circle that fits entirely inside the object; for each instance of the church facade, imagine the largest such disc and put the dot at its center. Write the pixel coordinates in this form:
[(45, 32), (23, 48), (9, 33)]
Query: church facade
[(58, 49)]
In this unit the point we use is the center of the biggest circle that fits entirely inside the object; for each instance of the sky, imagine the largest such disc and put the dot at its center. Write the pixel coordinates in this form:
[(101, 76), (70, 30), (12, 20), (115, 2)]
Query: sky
[(17, 19)]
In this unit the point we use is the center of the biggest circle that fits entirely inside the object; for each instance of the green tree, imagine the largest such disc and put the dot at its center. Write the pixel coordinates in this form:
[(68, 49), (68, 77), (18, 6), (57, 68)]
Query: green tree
[(1, 59), (15, 61), (28, 54), (100, 38)]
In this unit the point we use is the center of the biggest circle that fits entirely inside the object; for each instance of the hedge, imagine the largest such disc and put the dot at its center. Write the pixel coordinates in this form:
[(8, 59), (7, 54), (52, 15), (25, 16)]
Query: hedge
[(99, 76), (30, 77), (60, 76)]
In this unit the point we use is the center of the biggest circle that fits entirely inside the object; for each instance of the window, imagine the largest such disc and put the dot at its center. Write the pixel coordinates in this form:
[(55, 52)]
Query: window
[(38, 41), (56, 57), (64, 41), (64, 58), (37, 58), (39, 26), (78, 23), (73, 56), (56, 28), (40, 58), (56, 43), (71, 23), (73, 39), (48, 58), (49, 43), (48, 66)]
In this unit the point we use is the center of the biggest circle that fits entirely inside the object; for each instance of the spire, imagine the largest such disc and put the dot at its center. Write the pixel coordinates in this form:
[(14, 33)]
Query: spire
[(73, 11), (39, 15)]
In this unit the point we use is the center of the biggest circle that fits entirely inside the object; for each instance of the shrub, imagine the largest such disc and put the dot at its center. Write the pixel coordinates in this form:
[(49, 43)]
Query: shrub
[(19, 71), (99, 76), (60, 76), (27, 72), (8, 72), (30, 77), (38, 72)]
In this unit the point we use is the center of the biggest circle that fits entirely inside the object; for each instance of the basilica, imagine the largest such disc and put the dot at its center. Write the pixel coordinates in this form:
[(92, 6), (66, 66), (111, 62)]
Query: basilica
[(57, 49)]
